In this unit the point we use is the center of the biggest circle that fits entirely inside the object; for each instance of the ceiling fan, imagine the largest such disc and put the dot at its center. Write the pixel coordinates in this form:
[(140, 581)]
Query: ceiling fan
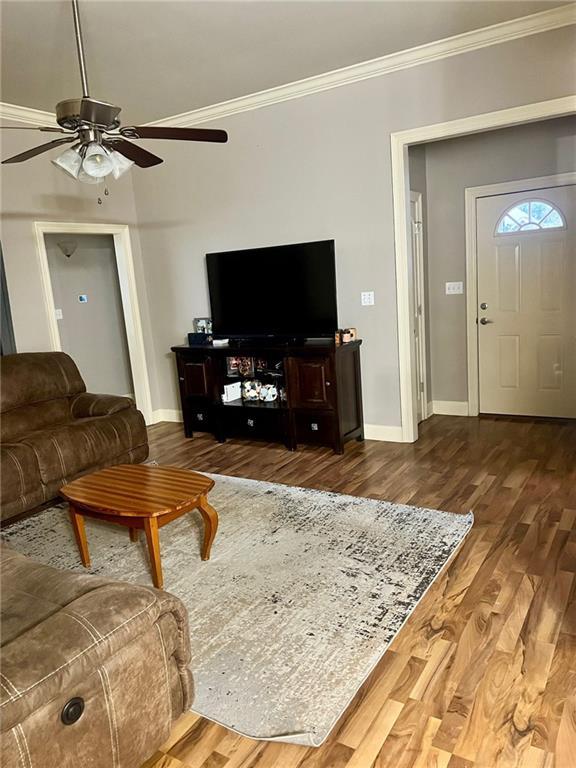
[(101, 146)]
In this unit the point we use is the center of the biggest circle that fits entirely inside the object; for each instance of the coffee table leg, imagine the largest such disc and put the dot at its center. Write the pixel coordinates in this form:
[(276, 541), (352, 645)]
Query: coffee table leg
[(151, 528), (133, 534), (210, 517), (80, 533)]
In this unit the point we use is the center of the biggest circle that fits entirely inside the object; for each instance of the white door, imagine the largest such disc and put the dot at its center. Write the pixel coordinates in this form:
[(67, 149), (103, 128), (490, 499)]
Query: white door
[(419, 295), (526, 244)]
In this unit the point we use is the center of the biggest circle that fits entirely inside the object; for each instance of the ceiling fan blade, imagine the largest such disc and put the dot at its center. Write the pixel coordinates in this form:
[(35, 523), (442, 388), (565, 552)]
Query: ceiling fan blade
[(180, 134), (137, 154), (47, 128), (38, 150)]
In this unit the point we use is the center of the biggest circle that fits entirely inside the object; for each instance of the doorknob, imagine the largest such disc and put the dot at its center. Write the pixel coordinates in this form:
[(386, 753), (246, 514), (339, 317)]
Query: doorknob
[(483, 305), (485, 321)]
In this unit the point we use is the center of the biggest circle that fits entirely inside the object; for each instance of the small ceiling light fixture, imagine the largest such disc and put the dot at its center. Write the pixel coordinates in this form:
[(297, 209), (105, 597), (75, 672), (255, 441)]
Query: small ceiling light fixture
[(102, 147), (68, 247)]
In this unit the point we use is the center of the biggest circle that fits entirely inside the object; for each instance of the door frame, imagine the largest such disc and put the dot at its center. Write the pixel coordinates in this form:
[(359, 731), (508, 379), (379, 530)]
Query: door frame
[(418, 267), (128, 293), (471, 195), (399, 143)]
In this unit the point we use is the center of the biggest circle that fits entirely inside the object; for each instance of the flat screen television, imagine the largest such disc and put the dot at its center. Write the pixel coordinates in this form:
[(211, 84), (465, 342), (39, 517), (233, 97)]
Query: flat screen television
[(285, 290)]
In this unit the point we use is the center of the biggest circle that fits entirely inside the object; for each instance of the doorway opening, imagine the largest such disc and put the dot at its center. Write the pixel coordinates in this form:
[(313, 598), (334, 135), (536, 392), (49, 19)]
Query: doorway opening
[(92, 306), (400, 143), (88, 309), (445, 172)]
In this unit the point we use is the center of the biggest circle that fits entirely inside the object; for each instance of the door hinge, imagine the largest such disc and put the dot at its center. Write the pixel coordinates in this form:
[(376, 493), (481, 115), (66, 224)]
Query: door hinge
[(417, 227), (421, 386)]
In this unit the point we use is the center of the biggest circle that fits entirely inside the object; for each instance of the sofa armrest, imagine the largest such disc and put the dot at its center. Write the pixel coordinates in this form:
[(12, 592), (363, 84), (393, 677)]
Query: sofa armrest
[(87, 404)]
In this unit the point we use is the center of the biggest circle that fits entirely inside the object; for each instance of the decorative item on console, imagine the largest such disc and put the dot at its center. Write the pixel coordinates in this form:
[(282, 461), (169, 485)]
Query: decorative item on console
[(199, 338), (203, 325), (344, 335), (268, 393), (232, 392), (246, 366), (251, 389)]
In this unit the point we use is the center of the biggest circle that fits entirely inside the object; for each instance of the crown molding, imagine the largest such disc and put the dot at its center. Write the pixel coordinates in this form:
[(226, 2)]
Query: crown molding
[(26, 115), (495, 34)]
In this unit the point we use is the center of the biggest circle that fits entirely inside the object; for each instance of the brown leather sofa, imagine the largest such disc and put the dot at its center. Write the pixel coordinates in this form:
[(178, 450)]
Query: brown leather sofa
[(52, 430), (94, 672)]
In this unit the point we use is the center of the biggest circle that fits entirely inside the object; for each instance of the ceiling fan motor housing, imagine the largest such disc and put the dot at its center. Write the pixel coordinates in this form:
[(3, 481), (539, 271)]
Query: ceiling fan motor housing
[(74, 113)]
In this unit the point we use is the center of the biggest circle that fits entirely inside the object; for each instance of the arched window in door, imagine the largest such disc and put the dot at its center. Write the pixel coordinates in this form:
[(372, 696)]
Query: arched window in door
[(530, 215)]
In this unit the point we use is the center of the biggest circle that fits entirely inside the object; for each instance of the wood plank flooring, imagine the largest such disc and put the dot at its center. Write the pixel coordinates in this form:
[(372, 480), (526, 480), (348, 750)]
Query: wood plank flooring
[(483, 675)]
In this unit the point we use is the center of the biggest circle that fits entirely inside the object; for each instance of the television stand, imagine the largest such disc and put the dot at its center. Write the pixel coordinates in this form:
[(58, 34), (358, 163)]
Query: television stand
[(320, 393), (265, 341)]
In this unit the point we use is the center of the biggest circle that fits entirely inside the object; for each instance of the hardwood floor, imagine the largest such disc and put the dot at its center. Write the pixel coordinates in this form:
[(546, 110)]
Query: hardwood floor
[(483, 675)]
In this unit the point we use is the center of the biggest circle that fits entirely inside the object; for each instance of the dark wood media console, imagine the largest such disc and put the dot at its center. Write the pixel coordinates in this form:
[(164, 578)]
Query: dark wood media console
[(321, 383)]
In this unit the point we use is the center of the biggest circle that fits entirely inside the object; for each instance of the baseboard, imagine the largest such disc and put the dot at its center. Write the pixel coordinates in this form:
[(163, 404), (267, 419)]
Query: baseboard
[(371, 431), (450, 407), (381, 432), (166, 414)]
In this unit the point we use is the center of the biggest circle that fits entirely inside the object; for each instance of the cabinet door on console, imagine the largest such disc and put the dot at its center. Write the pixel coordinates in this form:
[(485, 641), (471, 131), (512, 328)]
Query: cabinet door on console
[(194, 377), (310, 382)]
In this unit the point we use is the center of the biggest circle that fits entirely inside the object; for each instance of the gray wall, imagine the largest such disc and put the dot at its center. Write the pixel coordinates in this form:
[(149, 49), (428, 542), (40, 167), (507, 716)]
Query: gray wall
[(92, 333), (522, 152), (319, 167), (311, 168), (38, 191)]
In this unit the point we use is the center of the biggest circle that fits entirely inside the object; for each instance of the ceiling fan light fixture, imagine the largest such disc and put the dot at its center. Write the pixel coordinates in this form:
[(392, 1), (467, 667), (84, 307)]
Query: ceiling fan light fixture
[(97, 162), (69, 162), (120, 163), (85, 178)]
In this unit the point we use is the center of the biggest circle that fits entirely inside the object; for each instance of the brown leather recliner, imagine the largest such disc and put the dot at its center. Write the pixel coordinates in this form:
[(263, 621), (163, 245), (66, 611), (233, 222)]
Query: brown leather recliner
[(52, 430), (94, 672)]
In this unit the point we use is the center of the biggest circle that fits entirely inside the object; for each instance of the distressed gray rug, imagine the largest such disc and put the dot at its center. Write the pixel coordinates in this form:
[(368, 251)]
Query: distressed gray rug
[(304, 593)]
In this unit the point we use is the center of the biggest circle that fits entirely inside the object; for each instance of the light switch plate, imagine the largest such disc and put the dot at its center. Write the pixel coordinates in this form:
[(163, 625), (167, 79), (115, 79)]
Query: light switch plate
[(367, 298), (58, 314), (452, 288)]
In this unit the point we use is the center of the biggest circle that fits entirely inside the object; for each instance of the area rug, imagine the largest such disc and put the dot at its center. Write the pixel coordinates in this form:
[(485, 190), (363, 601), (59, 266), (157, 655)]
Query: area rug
[(303, 595)]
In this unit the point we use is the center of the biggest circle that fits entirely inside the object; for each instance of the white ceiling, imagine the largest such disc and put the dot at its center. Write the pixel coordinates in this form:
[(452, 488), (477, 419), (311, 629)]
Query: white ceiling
[(156, 58)]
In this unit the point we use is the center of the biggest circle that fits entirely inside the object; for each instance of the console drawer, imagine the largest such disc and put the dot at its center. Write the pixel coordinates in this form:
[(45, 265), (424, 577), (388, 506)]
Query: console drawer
[(315, 427), (199, 418), (253, 423)]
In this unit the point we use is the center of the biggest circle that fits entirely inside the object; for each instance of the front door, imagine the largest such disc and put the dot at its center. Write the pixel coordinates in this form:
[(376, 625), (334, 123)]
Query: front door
[(526, 248)]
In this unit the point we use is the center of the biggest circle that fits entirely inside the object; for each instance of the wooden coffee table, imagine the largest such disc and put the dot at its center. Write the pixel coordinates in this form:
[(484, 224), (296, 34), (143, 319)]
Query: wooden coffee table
[(140, 496)]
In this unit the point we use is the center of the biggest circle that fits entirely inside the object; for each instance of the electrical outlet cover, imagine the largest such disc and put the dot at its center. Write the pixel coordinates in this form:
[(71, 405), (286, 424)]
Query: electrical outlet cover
[(367, 298)]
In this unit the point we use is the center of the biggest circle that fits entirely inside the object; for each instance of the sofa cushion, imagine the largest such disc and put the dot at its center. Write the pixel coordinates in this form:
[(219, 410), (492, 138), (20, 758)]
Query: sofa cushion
[(20, 421), (66, 450), (34, 377), (19, 470)]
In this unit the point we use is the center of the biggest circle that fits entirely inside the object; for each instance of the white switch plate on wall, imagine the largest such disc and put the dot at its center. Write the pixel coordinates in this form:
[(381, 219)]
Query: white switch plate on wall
[(452, 288), (367, 298), (58, 313)]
